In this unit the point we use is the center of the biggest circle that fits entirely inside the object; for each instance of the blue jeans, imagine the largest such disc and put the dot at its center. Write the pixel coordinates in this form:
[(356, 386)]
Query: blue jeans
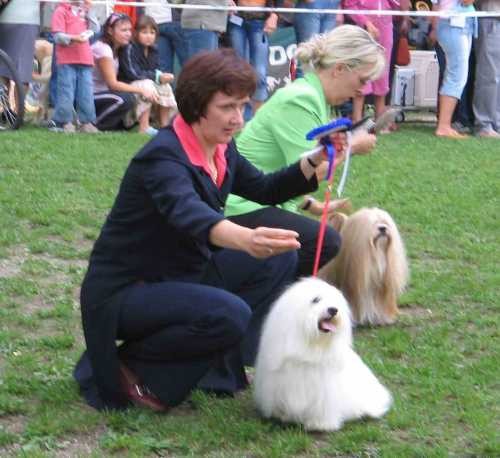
[(307, 25), (456, 43), (198, 40), (250, 41), (171, 42), (74, 87)]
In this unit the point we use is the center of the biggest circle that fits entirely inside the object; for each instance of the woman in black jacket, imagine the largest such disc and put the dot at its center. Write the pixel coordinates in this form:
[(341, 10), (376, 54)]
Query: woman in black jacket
[(182, 287)]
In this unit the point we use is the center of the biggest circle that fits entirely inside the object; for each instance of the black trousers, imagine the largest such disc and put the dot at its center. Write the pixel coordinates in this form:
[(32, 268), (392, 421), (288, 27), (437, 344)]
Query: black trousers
[(307, 228), (111, 107), (180, 335)]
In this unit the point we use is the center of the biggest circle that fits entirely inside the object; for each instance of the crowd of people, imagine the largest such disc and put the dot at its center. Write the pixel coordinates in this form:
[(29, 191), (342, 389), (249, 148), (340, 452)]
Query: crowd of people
[(126, 60)]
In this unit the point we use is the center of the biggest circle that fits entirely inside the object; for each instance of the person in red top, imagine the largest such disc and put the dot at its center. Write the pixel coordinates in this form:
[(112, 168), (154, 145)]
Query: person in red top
[(130, 11), (70, 25)]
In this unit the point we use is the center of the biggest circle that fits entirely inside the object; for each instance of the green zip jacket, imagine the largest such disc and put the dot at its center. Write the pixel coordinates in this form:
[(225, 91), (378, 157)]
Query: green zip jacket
[(276, 136)]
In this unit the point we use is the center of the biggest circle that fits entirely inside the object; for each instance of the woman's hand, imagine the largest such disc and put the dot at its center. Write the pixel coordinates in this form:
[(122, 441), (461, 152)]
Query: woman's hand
[(339, 140), (363, 143), (150, 94), (264, 242), (316, 207), (271, 23), (260, 243)]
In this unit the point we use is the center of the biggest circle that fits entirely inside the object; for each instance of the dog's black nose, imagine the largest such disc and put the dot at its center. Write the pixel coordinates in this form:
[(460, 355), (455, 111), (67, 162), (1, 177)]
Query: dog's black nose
[(332, 311), (382, 229)]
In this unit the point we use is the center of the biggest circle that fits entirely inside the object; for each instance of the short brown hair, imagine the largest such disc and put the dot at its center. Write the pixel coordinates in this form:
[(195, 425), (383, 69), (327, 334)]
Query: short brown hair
[(145, 22), (206, 74)]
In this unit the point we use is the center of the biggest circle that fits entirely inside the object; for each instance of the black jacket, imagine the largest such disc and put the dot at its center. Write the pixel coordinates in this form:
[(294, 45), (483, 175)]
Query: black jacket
[(134, 65), (157, 230)]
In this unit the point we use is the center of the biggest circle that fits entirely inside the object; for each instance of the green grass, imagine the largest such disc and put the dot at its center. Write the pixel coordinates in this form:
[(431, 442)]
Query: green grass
[(440, 360)]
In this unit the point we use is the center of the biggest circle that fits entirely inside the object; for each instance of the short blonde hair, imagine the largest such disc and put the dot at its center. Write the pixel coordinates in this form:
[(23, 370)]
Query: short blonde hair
[(346, 44)]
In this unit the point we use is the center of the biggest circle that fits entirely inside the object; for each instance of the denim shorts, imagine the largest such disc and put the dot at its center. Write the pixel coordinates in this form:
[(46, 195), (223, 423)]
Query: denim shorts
[(456, 43)]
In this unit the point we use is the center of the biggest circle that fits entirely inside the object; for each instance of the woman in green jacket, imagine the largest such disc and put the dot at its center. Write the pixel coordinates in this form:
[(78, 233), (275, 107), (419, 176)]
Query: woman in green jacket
[(337, 65)]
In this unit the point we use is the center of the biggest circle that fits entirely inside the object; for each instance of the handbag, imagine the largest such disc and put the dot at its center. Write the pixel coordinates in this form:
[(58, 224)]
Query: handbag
[(403, 52)]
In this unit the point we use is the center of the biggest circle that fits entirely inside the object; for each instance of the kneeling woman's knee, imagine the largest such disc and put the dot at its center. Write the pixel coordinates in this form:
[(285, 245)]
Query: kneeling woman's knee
[(228, 319)]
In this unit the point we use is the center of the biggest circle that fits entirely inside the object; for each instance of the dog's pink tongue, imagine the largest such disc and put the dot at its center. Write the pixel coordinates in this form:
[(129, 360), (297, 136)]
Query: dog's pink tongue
[(327, 325)]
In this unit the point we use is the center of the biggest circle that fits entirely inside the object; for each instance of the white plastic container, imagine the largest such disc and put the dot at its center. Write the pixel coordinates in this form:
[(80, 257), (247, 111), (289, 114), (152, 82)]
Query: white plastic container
[(426, 68), (403, 87)]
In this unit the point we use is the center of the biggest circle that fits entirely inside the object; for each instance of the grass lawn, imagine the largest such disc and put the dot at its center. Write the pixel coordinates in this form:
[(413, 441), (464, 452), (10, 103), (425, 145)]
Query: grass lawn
[(440, 360)]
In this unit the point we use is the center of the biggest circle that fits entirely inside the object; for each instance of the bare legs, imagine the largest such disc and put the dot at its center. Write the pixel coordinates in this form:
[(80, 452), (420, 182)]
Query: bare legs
[(164, 116), (447, 106), (358, 107)]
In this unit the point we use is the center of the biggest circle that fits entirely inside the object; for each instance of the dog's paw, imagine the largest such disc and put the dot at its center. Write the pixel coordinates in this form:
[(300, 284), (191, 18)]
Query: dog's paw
[(323, 426)]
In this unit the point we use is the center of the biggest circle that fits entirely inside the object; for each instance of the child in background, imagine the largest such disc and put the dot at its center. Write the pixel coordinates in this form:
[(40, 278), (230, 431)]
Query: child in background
[(139, 66), (70, 26)]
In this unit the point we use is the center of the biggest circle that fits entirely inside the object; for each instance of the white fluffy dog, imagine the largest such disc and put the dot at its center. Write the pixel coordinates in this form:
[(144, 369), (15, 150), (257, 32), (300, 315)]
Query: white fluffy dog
[(306, 370), (371, 268)]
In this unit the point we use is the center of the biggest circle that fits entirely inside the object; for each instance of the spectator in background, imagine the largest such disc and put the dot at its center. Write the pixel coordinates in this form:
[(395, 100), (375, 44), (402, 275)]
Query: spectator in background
[(381, 29), (114, 99), (46, 12), (454, 35), (171, 41), (202, 28), (248, 34), (308, 24), (139, 66), (463, 117), (19, 28), (486, 100), (130, 11), (71, 30)]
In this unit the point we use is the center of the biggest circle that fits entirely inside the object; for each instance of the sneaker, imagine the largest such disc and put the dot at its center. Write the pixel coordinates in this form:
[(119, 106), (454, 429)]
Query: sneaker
[(69, 128), (53, 126), (88, 128), (151, 131), (488, 134), (461, 128)]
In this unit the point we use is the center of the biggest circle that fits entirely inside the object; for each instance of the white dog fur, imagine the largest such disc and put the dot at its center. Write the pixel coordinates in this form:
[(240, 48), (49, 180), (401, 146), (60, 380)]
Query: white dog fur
[(371, 268), (306, 370)]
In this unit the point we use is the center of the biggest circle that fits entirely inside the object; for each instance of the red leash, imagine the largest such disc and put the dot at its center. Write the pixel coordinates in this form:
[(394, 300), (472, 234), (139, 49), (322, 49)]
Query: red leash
[(323, 223)]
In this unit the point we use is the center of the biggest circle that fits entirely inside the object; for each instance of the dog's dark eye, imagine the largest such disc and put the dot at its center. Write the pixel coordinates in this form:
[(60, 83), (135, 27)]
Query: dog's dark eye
[(316, 300)]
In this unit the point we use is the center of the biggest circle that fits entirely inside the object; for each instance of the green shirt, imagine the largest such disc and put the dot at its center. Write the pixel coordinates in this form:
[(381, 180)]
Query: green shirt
[(276, 135)]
